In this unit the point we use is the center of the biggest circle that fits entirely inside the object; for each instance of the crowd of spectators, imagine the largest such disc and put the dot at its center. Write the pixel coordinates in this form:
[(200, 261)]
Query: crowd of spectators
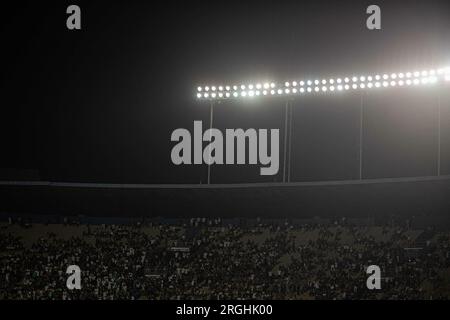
[(210, 259)]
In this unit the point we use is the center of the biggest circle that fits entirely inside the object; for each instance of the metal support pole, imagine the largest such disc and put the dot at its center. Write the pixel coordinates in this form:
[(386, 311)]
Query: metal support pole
[(285, 139), (361, 114), (439, 137), (211, 115), (290, 142)]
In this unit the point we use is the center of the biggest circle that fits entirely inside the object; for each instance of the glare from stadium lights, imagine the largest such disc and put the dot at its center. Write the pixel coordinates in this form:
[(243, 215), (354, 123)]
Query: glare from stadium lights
[(425, 77)]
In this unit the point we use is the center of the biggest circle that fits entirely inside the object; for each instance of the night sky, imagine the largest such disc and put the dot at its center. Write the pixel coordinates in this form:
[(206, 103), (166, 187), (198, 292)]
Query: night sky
[(100, 104)]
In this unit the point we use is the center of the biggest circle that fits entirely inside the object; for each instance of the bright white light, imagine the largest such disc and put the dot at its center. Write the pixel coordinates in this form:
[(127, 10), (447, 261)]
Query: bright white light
[(424, 77), (432, 79)]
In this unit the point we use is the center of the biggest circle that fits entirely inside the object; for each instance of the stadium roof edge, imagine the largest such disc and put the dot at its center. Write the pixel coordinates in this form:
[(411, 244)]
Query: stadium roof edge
[(220, 186)]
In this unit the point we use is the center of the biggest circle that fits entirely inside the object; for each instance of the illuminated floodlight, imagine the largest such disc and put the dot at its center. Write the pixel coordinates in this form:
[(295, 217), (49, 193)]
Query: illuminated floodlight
[(424, 77)]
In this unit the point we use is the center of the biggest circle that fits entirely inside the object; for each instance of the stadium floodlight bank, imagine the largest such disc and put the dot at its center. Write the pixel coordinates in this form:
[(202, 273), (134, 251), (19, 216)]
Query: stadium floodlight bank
[(329, 85)]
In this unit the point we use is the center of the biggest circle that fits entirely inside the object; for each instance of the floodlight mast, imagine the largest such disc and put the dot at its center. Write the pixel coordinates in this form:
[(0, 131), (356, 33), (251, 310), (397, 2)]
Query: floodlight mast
[(293, 89)]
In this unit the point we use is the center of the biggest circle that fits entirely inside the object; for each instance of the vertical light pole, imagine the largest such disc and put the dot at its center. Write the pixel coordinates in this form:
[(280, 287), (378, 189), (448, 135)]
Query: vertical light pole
[(290, 141), (361, 114), (211, 115), (439, 136), (286, 116)]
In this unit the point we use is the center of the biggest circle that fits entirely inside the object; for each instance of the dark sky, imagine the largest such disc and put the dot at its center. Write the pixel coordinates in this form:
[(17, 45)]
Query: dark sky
[(100, 104)]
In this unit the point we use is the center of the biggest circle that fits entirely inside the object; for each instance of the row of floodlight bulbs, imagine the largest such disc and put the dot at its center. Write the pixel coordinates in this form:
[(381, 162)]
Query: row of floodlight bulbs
[(325, 85)]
